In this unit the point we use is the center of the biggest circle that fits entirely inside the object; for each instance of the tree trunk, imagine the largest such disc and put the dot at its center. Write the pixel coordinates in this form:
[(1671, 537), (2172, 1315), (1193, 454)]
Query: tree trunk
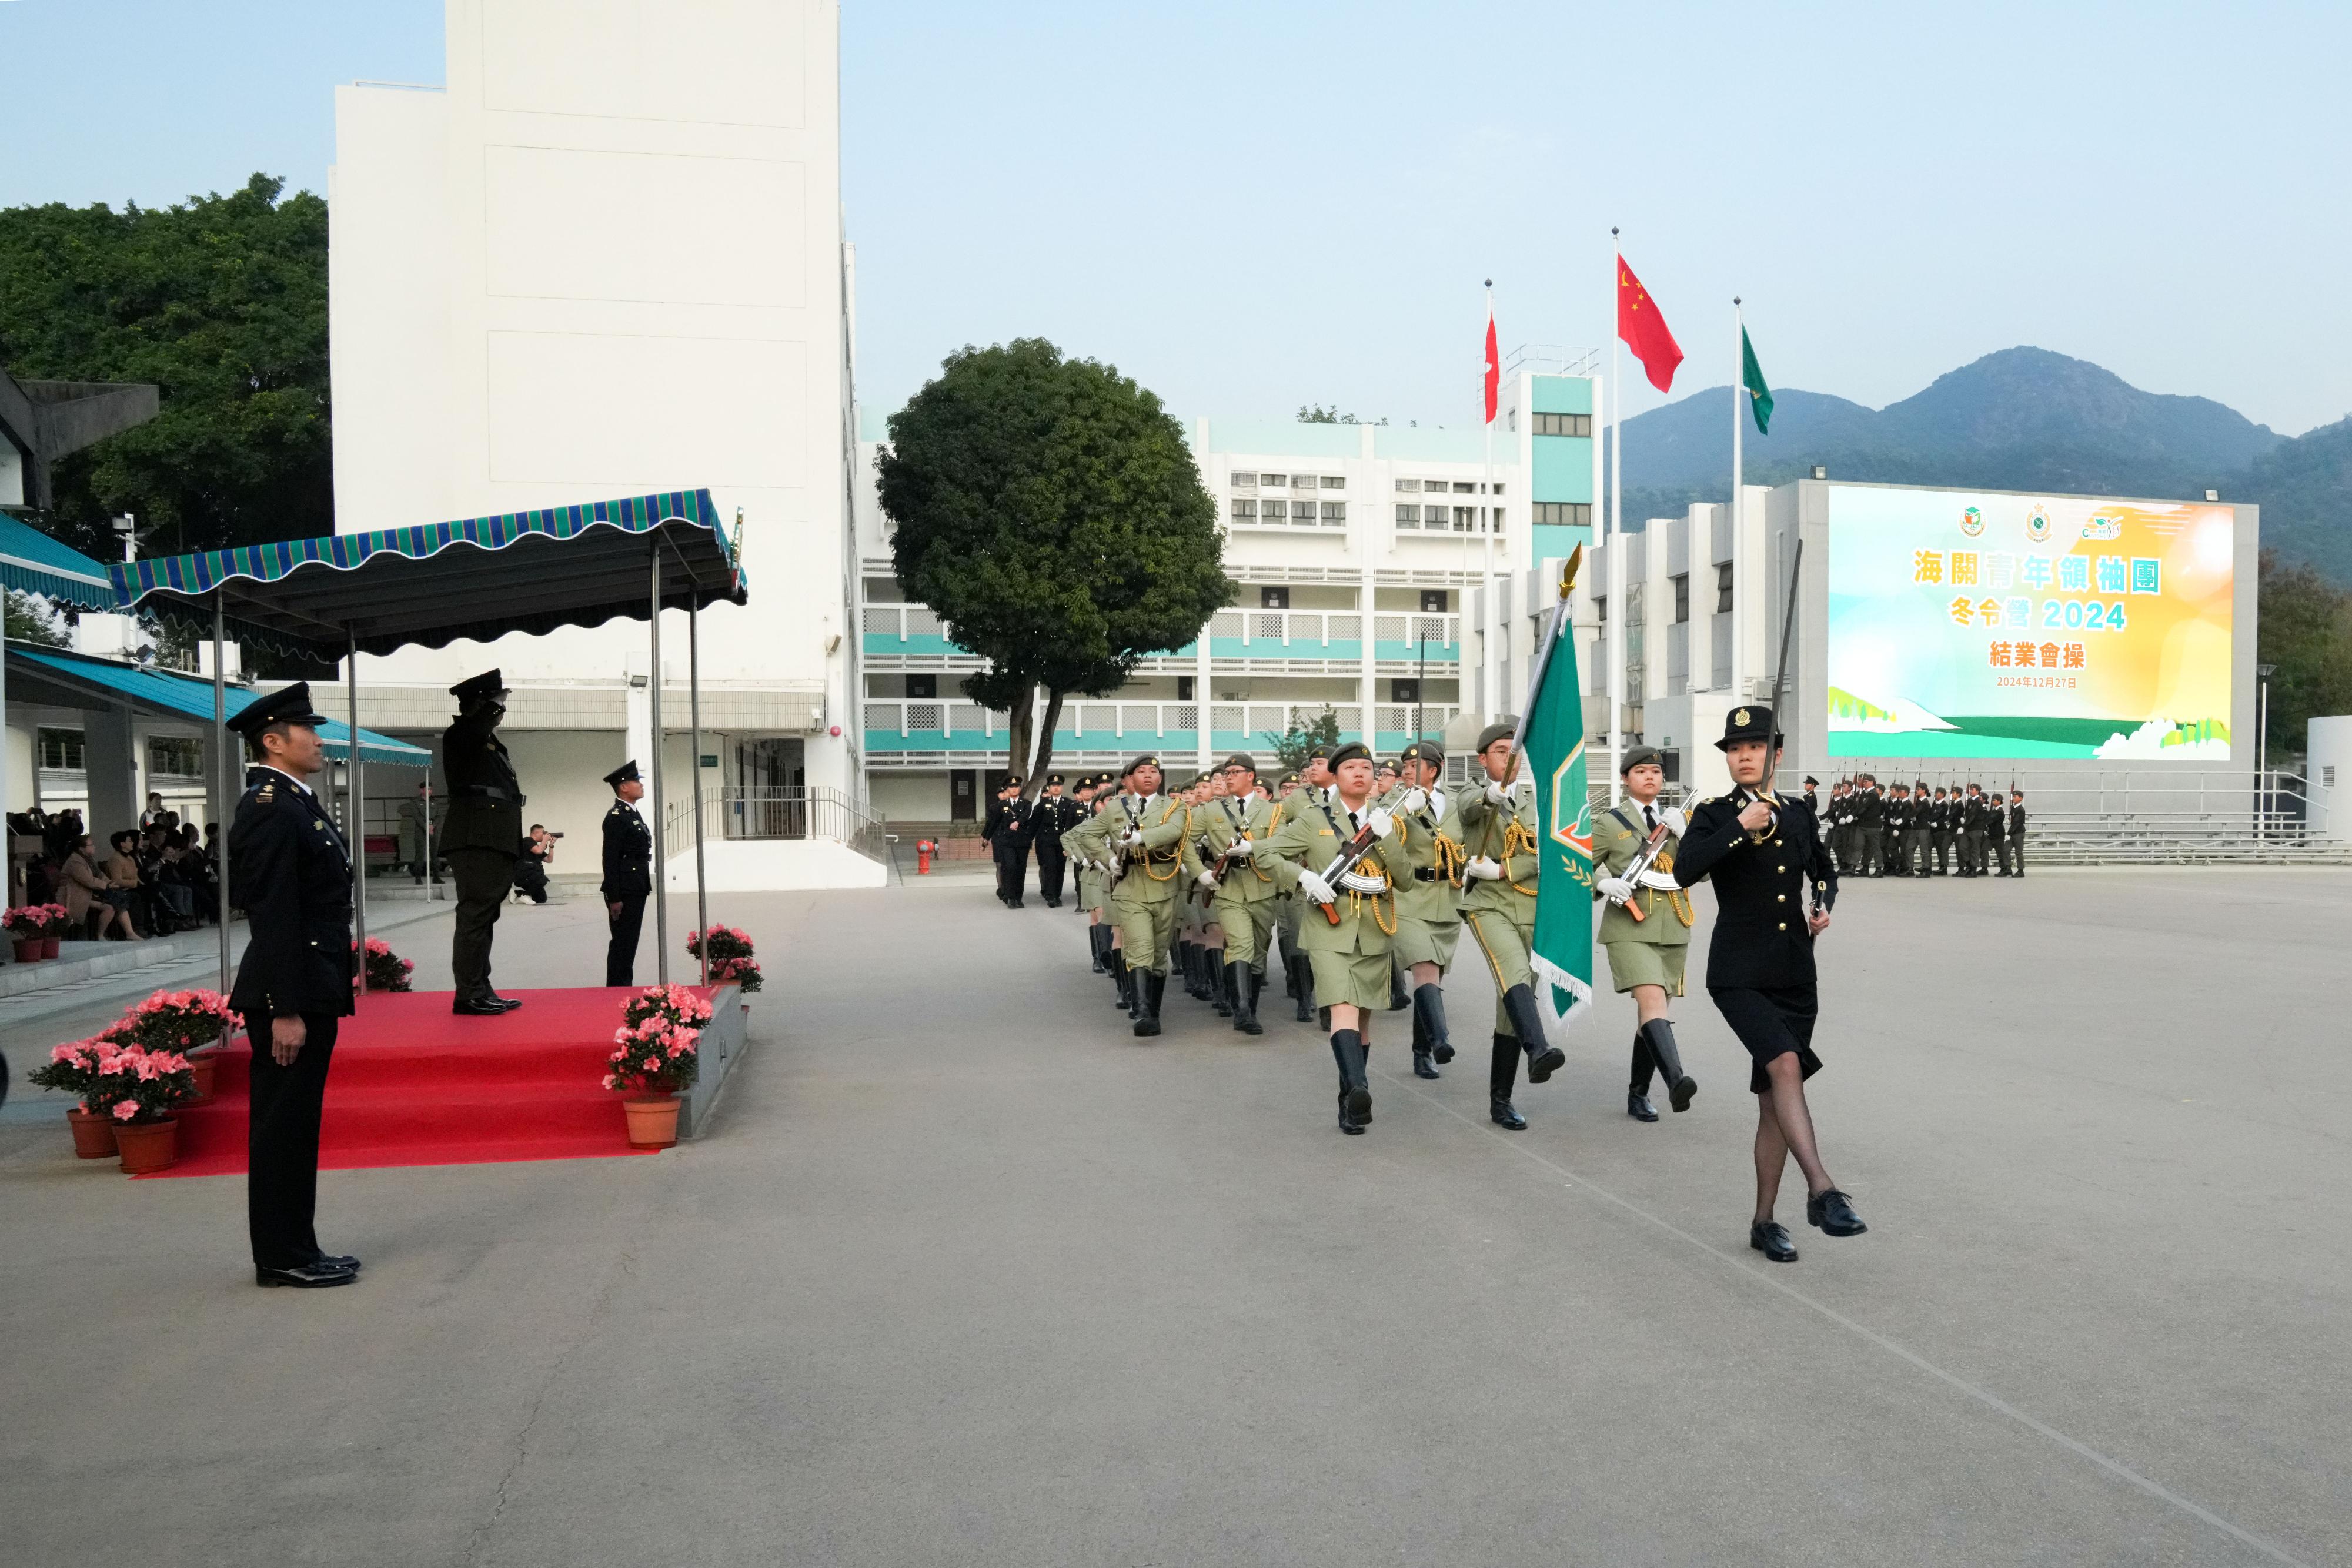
[(1046, 742), (1019, 718)]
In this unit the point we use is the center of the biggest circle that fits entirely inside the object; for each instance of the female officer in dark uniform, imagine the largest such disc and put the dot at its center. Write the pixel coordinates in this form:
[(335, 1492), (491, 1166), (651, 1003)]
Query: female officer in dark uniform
[(1764, 853)]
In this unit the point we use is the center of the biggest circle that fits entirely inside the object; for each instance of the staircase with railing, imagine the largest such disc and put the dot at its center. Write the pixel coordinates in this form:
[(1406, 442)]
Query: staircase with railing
[(776, 812)]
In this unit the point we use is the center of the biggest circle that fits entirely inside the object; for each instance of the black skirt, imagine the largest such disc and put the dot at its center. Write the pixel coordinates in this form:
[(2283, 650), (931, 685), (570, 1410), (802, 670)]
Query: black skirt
[(1771, 1023)]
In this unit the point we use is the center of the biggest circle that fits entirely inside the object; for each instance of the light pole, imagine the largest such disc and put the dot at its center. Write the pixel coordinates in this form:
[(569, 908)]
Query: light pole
[(2262, 752), (1421, 675)]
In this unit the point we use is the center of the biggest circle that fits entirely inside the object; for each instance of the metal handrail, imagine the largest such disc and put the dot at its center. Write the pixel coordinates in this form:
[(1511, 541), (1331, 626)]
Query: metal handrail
[(791, 811)]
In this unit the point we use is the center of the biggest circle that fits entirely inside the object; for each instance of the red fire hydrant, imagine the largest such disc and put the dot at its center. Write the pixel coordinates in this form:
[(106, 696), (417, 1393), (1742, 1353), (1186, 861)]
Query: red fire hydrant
[(924, 849)]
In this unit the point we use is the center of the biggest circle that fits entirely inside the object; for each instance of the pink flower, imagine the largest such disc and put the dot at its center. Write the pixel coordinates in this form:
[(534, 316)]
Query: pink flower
[(124, 1110)]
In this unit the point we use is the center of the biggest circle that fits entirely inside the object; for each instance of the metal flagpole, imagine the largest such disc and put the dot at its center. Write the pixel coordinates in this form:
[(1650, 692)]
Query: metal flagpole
[(694, 713), (1738, 500), (661, 855), (357, 820), (1614, 586), (1491, 636), (224, 778)]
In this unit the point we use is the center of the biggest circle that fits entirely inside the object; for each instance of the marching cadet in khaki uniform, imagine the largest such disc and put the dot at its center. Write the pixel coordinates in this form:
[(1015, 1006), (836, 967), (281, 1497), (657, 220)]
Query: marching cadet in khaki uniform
[(1150, 834), (1500, 833), (1645, 926), (1245, 896), (1298, 979), (1083, 853), (1346, 932), (1428, 855)]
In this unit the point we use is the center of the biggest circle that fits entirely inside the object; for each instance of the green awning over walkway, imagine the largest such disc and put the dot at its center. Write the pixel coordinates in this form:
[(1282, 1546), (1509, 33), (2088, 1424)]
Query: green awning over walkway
[(32, 562)]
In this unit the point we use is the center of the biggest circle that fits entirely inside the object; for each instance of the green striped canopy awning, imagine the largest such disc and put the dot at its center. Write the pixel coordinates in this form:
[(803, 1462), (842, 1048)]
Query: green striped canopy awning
[(32, 562), (431, 585)]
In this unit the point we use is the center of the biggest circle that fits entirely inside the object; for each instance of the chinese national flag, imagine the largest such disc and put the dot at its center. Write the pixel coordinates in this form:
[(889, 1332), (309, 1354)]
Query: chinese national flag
[(1644, 331), (1494, 370)]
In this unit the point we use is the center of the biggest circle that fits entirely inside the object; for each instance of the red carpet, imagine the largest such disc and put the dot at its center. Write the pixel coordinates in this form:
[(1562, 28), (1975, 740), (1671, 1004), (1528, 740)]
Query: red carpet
[(413, 1086)]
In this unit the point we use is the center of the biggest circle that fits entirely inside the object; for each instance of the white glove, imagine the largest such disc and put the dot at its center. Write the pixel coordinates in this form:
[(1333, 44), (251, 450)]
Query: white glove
[(1383, 824), (1497, 795), (1207, 879), (1614, 887), (1482, 868), (1413, 800), (1316, 888), (1676, 822), (1242, 849), (1132, 836)]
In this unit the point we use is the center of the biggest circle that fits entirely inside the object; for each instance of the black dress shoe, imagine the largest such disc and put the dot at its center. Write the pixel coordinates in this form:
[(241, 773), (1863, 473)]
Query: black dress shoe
[(1422, 1066), (1500, 1112), (1771, 1239), (473, 1009), (306, 1277), (505, 1004), (1638, 1106), (336, 1261), (1833, 1212)]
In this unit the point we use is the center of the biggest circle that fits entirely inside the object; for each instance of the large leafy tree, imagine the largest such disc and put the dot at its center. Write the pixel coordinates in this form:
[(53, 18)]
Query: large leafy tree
[(222, 303), (2304, 632), (1051, 512)]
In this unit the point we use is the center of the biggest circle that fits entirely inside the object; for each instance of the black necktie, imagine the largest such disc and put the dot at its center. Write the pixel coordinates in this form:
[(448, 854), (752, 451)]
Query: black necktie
[(1649, 818)]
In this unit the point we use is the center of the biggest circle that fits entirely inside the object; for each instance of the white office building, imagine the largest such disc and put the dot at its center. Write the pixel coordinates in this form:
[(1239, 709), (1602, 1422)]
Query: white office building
[(607, 259)]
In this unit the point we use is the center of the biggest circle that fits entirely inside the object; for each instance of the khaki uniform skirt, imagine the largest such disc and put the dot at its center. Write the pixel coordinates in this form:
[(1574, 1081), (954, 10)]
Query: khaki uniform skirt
[(1633, 964)]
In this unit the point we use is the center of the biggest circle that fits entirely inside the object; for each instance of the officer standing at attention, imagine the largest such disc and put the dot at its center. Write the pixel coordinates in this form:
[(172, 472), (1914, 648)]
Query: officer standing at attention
[(1764, 853), (290, 872), (1645, 955), (480, 836), (1055, 814), (628, 874)]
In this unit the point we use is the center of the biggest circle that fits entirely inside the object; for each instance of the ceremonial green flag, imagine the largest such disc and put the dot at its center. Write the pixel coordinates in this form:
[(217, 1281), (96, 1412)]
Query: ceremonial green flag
[(1759, 396), (1561, 951)]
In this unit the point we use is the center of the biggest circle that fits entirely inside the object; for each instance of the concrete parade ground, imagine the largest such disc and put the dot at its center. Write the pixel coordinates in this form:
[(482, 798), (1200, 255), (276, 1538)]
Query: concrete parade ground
[(966, 1274)]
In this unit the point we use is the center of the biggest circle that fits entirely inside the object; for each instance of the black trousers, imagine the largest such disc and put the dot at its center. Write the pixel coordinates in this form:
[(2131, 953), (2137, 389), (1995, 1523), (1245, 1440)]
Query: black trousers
[(1050, 868), (484, 877), (1012, 869), (621, 952), (282, 1179)]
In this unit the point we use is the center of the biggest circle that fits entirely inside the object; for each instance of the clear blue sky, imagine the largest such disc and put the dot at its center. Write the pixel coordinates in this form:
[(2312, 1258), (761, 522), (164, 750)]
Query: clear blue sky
[(1250, 207)]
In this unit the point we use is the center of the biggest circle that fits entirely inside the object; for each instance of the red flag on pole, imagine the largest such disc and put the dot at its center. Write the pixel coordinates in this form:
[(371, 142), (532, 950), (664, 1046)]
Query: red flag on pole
[(1494, 370), (1644, 331)]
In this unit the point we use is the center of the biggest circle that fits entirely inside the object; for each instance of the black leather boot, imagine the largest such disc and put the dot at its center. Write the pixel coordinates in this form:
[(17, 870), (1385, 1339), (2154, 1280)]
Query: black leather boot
[(1399, 998), (1637, 1090), (1290, 972), (1422, 1066), (1659, 1034), (1543, 1060), (1153, 984), (1241, 981), (1098, 944), (1302, 987), (1123, 996), (1355, 1093), (1221, 985), (1500, 1076), (1429, 1013)]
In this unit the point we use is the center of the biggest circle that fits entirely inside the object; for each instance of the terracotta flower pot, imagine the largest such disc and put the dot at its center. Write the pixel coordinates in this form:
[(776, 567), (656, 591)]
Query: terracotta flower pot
[(49, 947), (203, 1065), (653, 1120), (93, 1137), (28, 950), (148, 1146)]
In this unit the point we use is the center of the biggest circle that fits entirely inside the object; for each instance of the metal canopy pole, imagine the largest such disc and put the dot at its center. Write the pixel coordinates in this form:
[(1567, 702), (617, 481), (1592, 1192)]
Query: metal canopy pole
[(661, 848), (224, 761), (694, 711), (357, 820)]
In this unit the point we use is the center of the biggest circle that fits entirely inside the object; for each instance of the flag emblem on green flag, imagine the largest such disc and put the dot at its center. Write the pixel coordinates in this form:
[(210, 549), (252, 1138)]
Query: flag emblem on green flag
[(1751, 375), (1561, 951)]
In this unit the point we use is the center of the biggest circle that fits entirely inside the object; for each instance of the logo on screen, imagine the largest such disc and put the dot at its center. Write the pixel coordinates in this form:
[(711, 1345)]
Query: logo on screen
[(2104, 527), (2037, 527), (1972, 521)]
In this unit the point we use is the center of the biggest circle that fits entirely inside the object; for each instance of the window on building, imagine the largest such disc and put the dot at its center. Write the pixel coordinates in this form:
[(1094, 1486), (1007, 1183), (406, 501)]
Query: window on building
[(1495, 490), (1682, 598), (1335, 482), (1434, 602), (1564, 514), (1563, 424), (1600, 608), (1274, 481), (923, 688), (1409, 486), (1334, 512), (1723, 588), (1273, 511), (1184, 688), (1465, 519), (182, 756), (1465, 487), (1404, 691), (1408, 515), (1245, 509), (61, 748), (1245, 481), (1272, 597), (1436, 517)]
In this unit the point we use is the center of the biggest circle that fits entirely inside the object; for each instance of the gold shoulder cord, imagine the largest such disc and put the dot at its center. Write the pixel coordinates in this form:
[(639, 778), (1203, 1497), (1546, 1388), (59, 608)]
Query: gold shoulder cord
[(1356, 906), (1175, 852)]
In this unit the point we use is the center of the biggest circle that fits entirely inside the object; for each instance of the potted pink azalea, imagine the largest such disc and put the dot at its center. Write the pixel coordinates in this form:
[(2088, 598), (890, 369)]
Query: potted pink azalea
[(72, 1068), (730, 959), (36, 929), (187, 1023), (139, 1089), (654, 1057), (386, 970)]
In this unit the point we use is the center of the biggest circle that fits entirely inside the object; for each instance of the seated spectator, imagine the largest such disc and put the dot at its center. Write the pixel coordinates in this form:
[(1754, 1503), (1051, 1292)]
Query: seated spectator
[(89, 895), (123, 892)]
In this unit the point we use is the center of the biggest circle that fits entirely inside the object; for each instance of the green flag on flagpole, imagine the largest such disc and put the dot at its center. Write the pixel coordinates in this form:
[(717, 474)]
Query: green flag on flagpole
[(1561, 949), (1759, 396)]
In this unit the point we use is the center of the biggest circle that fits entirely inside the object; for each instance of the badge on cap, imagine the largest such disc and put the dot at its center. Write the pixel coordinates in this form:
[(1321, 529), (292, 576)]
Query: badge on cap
[(1740, 718)]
